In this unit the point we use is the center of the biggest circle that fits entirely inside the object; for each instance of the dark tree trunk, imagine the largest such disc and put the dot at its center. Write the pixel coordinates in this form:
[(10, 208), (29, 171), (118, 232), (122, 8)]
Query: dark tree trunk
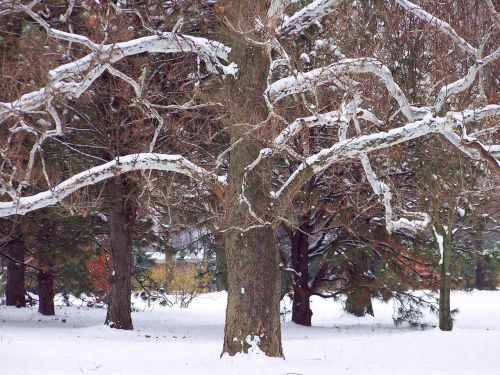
[(221, 263), (45, 293), (480, 277), (301, 307), (253, 308), (121, 220), (359, 289), (445, 319), (15, 290), (359, 301)]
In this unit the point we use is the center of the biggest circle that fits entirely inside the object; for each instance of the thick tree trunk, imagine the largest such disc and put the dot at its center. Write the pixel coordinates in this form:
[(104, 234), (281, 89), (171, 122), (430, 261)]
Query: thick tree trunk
[(121, 220), (253, 308), (253, 315), (15, 290), (45, 293), (221, 263), (445, 319), (301, 307)]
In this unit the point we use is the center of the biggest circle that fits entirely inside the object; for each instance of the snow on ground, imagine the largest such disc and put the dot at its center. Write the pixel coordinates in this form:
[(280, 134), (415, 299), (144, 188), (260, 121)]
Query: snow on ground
[(189, 341)]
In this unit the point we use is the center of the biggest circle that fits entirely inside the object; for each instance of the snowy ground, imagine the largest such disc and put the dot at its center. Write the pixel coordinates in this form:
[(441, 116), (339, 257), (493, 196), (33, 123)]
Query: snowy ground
[(188, 341)]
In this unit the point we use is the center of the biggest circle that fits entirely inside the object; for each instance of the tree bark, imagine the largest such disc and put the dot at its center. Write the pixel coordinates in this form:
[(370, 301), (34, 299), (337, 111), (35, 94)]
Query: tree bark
[(253, 308), (359, 294), (445, 319), (359, 301), (221, 263), (15, 290), (45, 293), (301, 307), (121, 220)]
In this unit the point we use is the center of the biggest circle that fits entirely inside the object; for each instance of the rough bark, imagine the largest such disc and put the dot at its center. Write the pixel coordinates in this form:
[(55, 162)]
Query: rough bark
[(15, 290), (45, 292), (121, 220), (221, 263), (301, 307), (253, 309)]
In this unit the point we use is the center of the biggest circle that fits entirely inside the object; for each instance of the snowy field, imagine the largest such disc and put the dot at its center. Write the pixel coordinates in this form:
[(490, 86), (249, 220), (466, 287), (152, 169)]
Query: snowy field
[(189, 341)]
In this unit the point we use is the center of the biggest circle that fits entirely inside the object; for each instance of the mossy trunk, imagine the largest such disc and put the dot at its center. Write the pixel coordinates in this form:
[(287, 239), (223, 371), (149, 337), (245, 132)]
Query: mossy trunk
[(15, 292), (121, 221), (253, 308), (45, 292), (301, 307)]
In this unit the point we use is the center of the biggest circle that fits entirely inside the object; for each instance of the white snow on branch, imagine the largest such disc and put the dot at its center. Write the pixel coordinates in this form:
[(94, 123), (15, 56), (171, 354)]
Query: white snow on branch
[(438, 23), (63, 78), (357, 146), (440, 242), (309, 80), (123, 164), (307, 16), (465, 82)]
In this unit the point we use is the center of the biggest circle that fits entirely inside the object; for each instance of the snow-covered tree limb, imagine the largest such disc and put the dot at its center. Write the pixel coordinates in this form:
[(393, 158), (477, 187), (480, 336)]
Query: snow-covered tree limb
[(62, 79), (123, 164), (309, 80), (465, 82), (443, 26), (364, 144), (307, 16)]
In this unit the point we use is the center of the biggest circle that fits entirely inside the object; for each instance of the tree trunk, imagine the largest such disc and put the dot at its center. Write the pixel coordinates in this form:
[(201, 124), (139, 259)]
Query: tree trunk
[(253, 308), (45, 293), (359, 294), (15, 290), (359, 301), (445, 319), (301, 307), (480, 283), (121, 220), (221, 263)]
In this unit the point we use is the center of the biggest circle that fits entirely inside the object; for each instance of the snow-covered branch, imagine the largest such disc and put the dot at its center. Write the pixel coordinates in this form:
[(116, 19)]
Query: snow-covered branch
[(64, 79), (307, 16), (364, 144), (123, 164), (465, 82), (309, 80), (443, 26)]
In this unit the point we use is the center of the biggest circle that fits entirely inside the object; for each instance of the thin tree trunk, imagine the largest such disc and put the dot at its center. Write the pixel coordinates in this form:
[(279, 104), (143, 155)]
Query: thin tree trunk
[(253, 308), (301, 307), (480, 282), (121, 220), (15, 291), (445, 319), (45, 293)]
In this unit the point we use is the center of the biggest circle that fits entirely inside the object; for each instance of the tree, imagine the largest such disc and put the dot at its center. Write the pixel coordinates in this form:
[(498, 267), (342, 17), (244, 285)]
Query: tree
[(14, 251), (274, 98)]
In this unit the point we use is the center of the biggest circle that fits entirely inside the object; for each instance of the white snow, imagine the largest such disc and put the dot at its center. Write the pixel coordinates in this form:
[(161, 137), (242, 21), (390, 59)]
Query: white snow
[(189, 341)]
